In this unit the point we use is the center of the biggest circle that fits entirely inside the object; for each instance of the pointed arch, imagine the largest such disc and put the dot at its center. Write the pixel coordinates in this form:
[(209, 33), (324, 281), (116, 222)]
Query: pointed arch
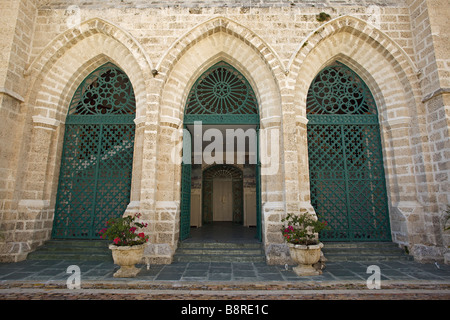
[(383, 66), (222, 95), (347, 176), (185, 63), (97, 158), (217, 40), (370, 52), (358, 27), (56, 74), (61, 66), (64, 41), (392, 79), (220, 25), (211, 48)]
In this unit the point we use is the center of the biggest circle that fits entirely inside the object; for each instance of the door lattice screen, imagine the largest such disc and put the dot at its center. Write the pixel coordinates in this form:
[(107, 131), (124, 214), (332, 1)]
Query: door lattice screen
[(345, 158), (96, 165)]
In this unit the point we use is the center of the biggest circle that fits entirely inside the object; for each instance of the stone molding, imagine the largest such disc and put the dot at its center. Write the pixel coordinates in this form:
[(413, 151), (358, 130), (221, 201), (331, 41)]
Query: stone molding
[(46, 123)]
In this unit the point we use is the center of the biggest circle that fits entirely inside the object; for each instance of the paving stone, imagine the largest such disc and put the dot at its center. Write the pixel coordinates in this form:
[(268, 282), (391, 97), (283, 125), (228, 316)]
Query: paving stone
[(168, 276), (203, 272), (243, 266), (219, 276), (270, 277), (196, 273)]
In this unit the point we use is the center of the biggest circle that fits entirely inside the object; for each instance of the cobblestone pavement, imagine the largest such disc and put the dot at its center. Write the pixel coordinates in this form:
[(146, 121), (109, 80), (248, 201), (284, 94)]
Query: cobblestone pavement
[(248, 295), (399, 280)]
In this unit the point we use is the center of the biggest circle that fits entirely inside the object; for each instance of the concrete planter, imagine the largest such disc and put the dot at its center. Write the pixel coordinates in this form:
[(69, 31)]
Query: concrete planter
[(306, 257), (126, 257)]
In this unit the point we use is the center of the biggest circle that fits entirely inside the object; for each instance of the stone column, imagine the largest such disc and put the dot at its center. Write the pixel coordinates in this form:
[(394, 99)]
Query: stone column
[(136, 180), (165, 220), (303, 165), (406, 213), (429, 22), (273, 188), (35, 214)]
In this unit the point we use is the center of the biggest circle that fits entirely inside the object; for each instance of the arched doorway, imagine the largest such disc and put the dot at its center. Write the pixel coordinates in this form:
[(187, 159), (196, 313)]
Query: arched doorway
[(221, 124), (96, 165), (223, 194), (348, 187)]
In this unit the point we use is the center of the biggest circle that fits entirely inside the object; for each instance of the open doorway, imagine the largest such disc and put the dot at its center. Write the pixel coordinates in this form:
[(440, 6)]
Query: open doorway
[(220, 147)]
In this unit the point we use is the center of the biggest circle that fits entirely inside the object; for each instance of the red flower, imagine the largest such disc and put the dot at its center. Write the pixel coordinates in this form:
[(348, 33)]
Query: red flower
[(116, 240), (132, 229)]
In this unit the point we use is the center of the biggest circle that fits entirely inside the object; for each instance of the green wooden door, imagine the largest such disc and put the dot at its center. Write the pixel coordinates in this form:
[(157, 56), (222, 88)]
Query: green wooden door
[(348, 187), (96, 165)]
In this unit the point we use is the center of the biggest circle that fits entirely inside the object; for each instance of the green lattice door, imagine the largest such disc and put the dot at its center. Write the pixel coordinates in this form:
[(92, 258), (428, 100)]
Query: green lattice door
[(186, 168), (345, 158), (96, 165)]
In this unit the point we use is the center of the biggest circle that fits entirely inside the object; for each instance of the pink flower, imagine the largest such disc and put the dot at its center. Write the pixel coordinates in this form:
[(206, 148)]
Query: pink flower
[(116, 240)]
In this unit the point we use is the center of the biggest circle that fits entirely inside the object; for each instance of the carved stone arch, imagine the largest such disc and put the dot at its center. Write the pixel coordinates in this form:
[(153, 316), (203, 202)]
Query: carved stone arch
[(64, 41), (225, 25), (198, 58), (56, 70)]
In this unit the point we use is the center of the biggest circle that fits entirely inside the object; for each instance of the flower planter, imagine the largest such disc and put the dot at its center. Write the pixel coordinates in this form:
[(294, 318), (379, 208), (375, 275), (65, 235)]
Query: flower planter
[(306, 257), (126, 257)]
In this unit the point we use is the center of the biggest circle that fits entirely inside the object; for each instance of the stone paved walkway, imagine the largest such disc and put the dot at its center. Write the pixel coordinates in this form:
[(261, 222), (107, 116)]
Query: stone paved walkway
[(225, 272), (400, 280)]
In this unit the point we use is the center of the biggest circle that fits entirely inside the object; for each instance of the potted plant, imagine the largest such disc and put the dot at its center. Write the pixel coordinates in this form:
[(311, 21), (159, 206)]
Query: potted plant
[(301, 234), (128, 244)]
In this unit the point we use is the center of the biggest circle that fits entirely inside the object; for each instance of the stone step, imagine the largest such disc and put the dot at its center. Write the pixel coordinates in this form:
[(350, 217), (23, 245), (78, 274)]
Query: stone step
[(219, 252), (364, 251), (77, 250), (360, 244), (224, 245), (217, 258)]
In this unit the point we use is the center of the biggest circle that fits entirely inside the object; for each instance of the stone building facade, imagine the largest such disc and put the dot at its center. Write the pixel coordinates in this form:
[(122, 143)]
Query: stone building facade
[(397, 50)]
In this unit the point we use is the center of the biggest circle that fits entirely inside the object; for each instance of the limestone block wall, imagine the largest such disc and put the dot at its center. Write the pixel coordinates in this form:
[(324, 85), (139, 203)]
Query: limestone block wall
[(16, 33), (397, 47), (428, 20)]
